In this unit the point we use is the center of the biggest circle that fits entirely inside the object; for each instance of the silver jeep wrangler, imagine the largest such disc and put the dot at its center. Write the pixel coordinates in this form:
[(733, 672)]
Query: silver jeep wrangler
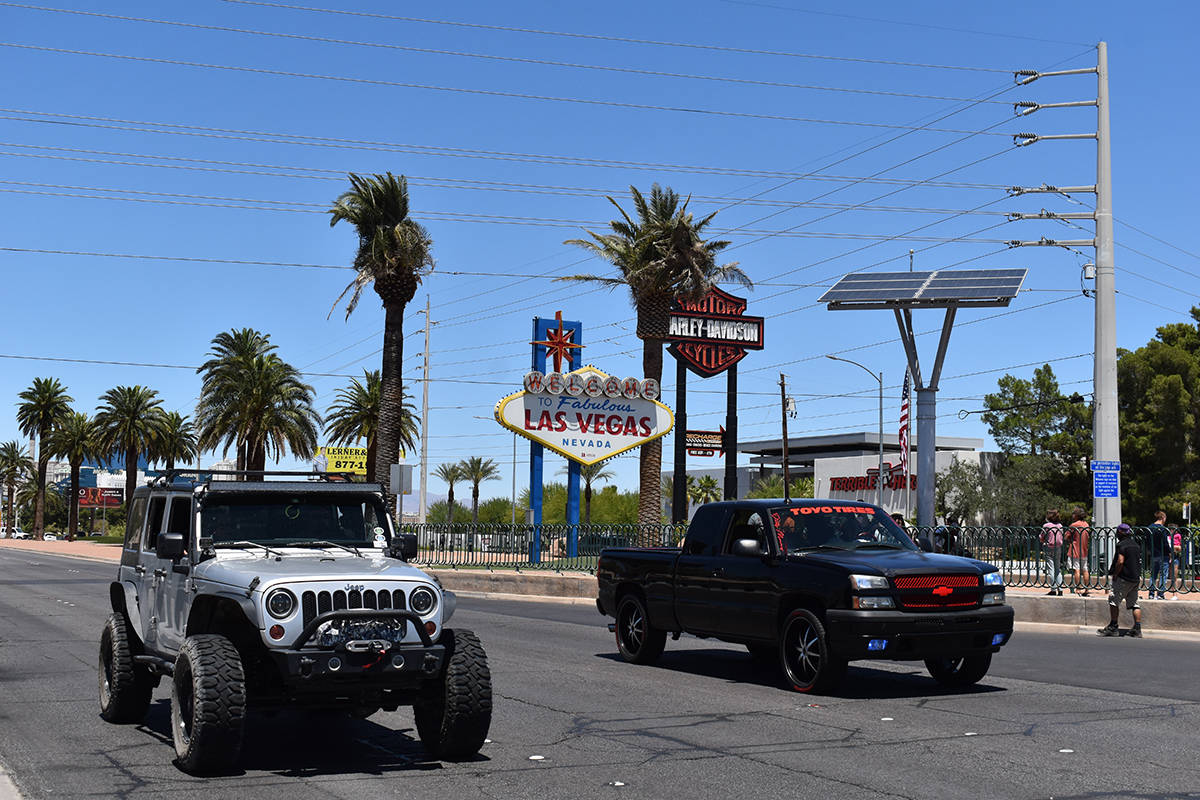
[(266, 593)]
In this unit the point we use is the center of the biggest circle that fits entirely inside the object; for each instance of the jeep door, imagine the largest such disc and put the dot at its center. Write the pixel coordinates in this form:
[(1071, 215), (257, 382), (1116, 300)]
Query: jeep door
[(149, 572), (172, 601)]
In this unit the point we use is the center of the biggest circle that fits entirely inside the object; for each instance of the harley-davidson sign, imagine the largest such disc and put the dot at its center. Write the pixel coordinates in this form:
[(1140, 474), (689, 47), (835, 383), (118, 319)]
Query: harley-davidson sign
[(586, 415), (713, 333)]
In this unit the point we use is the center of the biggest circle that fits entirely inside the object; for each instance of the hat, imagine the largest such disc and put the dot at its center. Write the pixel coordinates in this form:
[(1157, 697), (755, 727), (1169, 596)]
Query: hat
[(1123, 529)]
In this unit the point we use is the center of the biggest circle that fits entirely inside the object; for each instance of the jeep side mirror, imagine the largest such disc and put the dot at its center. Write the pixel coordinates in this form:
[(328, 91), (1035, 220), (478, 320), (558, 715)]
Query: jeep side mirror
[(406, 545), (749, 548), (169, 546)]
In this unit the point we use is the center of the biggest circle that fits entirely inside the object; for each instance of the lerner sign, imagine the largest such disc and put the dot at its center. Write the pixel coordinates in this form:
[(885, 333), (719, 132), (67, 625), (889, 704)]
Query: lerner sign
[(586, 415)]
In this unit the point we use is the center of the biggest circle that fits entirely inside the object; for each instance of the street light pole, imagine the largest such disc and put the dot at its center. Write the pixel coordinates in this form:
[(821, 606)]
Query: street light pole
[(878, 377)]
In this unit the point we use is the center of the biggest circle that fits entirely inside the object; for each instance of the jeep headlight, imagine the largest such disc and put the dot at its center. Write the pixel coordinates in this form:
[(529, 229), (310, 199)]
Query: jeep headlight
[(281, 603), (422, 600)]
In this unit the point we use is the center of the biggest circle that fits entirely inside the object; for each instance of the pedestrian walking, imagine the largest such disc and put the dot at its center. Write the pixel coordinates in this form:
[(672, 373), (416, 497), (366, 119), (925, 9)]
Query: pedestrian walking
[(1052, 541), (1159, 549), (1126, 573), (1078, 538)]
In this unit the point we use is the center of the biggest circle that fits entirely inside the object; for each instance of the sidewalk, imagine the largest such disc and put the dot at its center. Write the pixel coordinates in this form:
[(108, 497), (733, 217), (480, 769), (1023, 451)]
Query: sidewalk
[(1031, 605)]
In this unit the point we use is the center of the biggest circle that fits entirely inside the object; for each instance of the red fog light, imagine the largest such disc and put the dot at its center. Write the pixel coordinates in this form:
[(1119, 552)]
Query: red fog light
[(430, 627), (276, 632)]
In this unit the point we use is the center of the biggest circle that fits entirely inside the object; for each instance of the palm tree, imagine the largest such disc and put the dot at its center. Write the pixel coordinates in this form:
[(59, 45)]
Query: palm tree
[(451, 474), (44, 405), (255, 401), (476, 470), (591, 473), (354, 417), (660, 256), (394, 253), (74, 439), (128, 421), (14, 468), (707, 490), (176, 441), (668, 488)]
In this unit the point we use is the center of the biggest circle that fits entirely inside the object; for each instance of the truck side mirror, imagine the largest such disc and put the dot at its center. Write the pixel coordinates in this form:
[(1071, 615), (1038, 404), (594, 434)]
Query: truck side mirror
[(405, 545), (747, 548), (169, 546)]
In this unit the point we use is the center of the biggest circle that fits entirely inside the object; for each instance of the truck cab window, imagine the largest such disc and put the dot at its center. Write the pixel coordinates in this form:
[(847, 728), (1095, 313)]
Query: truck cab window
[(706, 532)]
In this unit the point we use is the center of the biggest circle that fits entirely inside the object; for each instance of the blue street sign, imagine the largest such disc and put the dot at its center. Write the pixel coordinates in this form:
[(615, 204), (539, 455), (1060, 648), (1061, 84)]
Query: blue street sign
[(1106, 466), (1106, 484)]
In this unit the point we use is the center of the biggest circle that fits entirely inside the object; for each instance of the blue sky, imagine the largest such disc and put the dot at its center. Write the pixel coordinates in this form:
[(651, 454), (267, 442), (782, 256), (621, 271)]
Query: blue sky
[(235, 161)]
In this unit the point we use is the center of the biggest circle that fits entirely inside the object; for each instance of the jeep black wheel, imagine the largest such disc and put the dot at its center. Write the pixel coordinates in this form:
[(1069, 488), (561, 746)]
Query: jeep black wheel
[(960, 671), (125, 687), (454, 718), (637, 640), (208, 704), (804, 654)]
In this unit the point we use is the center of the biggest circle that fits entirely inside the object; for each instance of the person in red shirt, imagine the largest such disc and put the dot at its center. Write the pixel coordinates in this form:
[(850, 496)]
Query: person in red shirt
[(1078, 538)]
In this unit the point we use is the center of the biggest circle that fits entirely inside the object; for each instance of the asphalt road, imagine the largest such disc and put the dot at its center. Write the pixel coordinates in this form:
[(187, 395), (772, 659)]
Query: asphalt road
[(1063, 716)]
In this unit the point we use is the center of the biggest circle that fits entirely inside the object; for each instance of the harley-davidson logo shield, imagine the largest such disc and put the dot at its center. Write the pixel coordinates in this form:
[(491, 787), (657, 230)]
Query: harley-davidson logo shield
[(712, 334)]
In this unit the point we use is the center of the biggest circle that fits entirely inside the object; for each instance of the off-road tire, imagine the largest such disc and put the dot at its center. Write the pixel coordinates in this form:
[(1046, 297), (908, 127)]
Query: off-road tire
[(208, 704), (804, 654), (453, 719), (638, 641), (125, 687), (961, 671)]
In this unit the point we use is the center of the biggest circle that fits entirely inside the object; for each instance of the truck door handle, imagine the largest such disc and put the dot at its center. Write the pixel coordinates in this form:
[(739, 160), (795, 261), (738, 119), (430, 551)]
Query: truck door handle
[(719, 572), (139, 569)]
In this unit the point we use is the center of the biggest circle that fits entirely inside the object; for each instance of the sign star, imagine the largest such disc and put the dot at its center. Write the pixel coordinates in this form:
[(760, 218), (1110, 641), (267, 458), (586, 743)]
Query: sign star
[(558, 343)]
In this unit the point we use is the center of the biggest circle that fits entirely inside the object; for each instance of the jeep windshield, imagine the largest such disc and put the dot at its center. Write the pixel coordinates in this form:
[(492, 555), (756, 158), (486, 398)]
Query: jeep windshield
[(836, 527), (303, 520)]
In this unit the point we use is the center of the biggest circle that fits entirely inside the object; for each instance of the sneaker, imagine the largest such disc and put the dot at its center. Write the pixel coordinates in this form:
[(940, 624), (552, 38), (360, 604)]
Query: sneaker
[(1051, 593), (1109, 630), (1059, 592), (1135, 632)]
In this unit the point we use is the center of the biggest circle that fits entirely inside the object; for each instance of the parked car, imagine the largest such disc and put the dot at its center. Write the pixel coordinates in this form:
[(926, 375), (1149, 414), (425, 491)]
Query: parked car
[(20, 534), (809, 585), (51, 536)]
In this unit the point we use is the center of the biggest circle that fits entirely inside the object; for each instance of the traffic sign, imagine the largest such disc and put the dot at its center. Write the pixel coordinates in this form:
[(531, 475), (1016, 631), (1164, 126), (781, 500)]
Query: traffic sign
[(1106, 484), (1106, 466)]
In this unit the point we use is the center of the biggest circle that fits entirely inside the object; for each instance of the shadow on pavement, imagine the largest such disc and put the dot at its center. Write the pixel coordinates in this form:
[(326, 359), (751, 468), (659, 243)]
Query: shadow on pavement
[(299, 744)]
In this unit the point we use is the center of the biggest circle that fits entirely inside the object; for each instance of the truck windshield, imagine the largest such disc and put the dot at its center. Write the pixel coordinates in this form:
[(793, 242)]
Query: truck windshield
[(279, 520), (842, 527)]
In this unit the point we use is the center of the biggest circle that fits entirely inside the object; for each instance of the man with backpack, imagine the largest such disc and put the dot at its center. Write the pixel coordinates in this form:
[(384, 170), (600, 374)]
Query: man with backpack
[(1126, 573)]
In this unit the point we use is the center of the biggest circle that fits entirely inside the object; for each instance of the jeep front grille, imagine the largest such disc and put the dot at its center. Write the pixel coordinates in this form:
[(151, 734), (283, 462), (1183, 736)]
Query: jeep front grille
[(313, 604)]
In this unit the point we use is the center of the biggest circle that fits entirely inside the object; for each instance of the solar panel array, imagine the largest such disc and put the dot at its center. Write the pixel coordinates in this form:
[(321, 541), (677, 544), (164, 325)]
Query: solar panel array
[(937, 289)]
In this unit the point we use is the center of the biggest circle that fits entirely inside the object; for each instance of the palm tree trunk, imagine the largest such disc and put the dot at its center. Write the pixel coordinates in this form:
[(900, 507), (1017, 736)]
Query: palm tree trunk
[(475, 504), (391, 392), (39, 505), (131, 458), (12, 521), (371, 450), (73, 514), (650, 457), (587, 503), (450, 504)]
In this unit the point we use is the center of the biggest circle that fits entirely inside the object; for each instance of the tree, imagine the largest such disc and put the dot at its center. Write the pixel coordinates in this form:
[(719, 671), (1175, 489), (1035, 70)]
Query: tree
[(959, 492), (128, 422), (475, 470), (75, 439), (43, 405), (668, 491), (771, 486), (590, 474), (708, 490), (176, 441), (254, 400), (1023, 415), (354, 417), (450, 474), (394, 253), (660, 256), (15, 469)]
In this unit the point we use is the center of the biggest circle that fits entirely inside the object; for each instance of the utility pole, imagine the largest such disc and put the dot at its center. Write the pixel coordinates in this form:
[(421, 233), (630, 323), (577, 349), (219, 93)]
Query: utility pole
[(787, 476), (1105, 430), (422, 509)]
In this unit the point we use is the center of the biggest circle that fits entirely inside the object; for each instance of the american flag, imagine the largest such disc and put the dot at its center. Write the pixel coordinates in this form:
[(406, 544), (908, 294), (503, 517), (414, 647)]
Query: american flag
[(904, 399)]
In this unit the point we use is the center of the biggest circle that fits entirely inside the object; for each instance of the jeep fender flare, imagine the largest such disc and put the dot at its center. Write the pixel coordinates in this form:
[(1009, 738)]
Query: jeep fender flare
[(203, 607), (123, 597)]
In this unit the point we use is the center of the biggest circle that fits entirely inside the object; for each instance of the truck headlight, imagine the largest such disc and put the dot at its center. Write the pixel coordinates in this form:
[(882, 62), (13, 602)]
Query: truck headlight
[(993, 599), (860, 582), (422, 601), (281, 603), (993, 579)]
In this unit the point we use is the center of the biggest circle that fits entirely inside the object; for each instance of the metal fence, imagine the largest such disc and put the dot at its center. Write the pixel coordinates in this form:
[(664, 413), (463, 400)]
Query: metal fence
[(1019, 552)]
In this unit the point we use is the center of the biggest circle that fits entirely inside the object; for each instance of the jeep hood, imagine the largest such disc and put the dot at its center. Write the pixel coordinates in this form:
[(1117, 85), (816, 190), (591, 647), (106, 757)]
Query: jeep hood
[(241, 567)]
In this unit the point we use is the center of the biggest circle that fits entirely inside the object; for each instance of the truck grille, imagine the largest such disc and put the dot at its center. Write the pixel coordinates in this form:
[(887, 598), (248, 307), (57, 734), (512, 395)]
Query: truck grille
[(313, 604), (937, 592)]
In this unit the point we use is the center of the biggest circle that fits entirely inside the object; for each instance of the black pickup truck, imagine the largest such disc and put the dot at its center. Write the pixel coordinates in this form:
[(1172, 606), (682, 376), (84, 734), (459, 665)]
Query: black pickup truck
[(810, 585)]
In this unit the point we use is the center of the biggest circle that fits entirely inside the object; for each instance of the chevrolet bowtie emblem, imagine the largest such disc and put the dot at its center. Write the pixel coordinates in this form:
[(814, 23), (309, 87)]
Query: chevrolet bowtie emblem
[(942, 591)]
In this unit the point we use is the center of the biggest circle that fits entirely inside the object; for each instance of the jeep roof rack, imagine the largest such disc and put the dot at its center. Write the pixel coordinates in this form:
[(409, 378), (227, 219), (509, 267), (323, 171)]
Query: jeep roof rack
[(167, 477)]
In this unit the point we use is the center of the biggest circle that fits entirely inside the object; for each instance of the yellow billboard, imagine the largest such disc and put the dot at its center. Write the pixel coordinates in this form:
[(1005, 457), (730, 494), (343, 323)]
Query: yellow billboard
[(342, 459)]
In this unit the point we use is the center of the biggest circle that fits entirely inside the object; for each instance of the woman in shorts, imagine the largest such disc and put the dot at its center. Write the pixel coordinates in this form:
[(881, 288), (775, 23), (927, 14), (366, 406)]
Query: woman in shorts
[(1078, 536)]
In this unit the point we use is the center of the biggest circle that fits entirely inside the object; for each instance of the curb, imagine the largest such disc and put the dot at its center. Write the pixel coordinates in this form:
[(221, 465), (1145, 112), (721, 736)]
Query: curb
[(1090, 630)]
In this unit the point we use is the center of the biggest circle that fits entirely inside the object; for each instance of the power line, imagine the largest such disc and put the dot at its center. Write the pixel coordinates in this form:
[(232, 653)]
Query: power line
[(485, 56), (482, 92), (624, 39)]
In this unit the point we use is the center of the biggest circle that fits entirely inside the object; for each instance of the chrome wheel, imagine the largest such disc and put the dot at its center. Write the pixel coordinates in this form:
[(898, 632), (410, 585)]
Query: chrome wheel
[(638, 641)]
